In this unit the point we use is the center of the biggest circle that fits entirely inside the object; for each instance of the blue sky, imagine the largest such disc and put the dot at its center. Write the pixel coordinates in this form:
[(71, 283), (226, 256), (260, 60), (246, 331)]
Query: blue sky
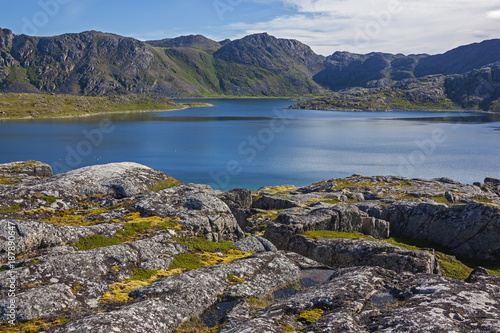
[(406, 26)]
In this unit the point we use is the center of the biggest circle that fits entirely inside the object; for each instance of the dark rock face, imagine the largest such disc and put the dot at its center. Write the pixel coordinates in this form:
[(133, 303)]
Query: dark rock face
[(471, 231)]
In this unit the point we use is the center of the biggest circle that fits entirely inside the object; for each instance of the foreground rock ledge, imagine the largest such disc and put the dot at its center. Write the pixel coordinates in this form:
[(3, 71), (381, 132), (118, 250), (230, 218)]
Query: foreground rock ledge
[(358, 284)]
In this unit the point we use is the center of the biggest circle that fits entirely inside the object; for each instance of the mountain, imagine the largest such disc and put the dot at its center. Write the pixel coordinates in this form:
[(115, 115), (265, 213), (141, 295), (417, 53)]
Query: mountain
[(97, 63)]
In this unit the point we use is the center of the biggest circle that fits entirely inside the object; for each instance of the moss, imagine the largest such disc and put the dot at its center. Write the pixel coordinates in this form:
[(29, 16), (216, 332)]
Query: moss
[(333, 201), (196, 325), (96, 241), (4, 180), (444, 200), (257, 304), (203, 253), (309, 317), (288, 328), (233, 279), (164, 183), (11, 209), (119, 292), (76, 287), (33, 326), (50, 200), (278, 189), (256, 198), (485, 201)]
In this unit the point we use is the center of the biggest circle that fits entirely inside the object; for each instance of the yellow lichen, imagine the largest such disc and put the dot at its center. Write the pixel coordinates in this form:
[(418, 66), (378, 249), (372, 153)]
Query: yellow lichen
[(309, 317)]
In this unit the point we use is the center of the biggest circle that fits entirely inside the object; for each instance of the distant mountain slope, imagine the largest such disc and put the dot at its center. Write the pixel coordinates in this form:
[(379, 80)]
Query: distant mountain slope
[(461, 60), (97, 63)]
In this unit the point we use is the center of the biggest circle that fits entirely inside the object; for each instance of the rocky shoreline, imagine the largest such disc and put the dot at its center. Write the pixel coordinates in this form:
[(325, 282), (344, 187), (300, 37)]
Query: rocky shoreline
[(125, 248)]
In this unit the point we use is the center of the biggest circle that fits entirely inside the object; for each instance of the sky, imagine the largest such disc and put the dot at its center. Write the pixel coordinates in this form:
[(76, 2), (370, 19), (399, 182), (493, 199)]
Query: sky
[(327, 26)]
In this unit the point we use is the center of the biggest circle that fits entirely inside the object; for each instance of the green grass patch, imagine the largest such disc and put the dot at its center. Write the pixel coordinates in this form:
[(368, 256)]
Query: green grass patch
[(142, 274), (443, 200), (33, 326), (9, 180), (196, 325), (164, 184), (310, 316), (233, 279), (11, 209), (50, 200), (96, 241)]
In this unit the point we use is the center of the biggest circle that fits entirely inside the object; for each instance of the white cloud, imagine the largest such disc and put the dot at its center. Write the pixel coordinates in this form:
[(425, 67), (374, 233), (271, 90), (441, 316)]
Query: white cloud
[(407, 26), (494, 14)]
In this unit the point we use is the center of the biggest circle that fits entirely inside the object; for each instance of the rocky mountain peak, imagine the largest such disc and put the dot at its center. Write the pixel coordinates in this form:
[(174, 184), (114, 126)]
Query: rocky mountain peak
[(192, 41)]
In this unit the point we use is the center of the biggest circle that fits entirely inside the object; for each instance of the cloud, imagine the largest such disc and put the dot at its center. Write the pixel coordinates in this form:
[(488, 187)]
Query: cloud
[(407, 26), (494, 14)]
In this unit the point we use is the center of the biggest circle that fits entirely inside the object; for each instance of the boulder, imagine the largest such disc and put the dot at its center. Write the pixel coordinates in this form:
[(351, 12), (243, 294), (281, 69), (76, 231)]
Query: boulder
[(340, 253), (198, 210), (23, 172), (32, 235), (237, 198), (255, 244), (115, 179)]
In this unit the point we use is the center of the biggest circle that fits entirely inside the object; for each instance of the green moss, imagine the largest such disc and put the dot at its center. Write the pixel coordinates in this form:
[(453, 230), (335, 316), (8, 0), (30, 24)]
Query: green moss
[(164, 184), (256, 198), (50, 200), (11, 209), (233, 279), (195, 325), (288, 328), (309, 317), (76, 287), (142, 274), (96, 241), (33, 326), (443, 200), (333, 201), (9, 180), (257, 304), (485, 201)]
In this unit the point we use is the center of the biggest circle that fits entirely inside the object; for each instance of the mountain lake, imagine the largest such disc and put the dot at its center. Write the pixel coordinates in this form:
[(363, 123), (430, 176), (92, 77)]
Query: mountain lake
[(249, 143)]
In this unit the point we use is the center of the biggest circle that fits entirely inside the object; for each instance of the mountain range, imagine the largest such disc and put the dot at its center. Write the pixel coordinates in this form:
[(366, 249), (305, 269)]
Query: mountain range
[(97, 63)]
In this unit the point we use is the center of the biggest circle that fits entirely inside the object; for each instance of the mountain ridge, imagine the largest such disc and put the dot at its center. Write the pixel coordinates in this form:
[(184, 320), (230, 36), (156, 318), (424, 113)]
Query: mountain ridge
[(98, 63)]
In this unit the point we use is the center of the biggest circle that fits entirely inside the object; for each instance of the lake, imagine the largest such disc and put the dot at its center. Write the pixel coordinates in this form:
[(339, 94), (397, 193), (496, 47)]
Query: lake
[(256, 142)]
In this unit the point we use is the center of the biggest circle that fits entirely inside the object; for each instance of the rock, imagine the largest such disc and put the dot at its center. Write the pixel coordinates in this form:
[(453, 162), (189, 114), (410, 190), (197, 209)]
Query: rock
[(115, 179), (95, 265), (366, 299), (255, 244), (340, 253), (40, 302), (31, 235), (237, 198), (268, 202), (170, 301), (476, 274), (199, 211), (470, 231), (344, 218), (23, 172), (492, 181)]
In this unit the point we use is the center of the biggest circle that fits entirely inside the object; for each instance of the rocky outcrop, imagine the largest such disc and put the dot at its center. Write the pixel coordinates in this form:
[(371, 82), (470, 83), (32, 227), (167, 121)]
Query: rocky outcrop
[(168, 302), (469, 231), (23, 172), (372, 299), (100, 249), (32, 235), (341, 253), (198, 210)]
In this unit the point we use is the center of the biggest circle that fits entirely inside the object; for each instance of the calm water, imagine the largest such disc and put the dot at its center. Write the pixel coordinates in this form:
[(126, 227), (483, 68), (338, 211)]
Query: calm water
[(253, 143)]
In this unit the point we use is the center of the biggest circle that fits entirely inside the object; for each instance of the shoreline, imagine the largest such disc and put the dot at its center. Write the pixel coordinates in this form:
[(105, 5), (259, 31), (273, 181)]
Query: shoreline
[(105, 113)]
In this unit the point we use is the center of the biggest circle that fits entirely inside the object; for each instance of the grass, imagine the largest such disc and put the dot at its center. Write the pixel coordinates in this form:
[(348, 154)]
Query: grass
[(76, 287), (50, 200), (195, 325), (233, 279), (444, 200), (32, 326), (135, 227), (203, 253), (46, 106), (4, 180), (11, 209), (450, 266), (164, 184), (310, 316)]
